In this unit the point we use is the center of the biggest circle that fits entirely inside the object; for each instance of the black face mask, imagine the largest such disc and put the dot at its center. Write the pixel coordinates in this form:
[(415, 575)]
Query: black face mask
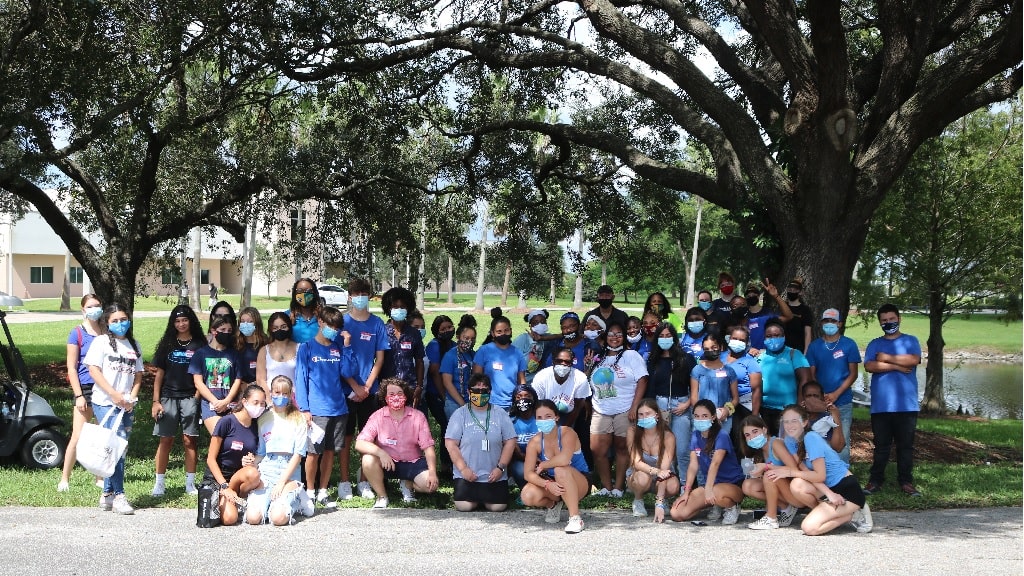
[(282, 334), (524, 404), (604, 302), (792, 296), (503, 340), (712, 356), (225, 338), (446, 335), (740, 312), (752, 300)]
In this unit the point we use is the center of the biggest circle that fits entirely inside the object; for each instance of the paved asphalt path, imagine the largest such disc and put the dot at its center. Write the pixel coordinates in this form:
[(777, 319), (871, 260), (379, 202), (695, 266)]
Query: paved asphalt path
[(412, 542)]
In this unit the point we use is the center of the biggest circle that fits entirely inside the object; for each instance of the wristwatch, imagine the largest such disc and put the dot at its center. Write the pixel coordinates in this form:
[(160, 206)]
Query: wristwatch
[(224, 486), (502, 467)]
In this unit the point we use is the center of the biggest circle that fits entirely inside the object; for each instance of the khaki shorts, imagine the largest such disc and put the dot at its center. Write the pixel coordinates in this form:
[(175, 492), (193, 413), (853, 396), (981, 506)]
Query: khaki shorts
[(604, 424)]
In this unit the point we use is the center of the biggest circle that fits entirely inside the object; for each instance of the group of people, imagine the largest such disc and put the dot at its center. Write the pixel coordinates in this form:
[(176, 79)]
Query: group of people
[(730, 400)]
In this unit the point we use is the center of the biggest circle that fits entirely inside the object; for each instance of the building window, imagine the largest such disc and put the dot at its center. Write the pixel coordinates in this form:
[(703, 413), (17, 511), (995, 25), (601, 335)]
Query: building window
[(170, 276), (204, 277), (77, 275), (298, 221), (41, 275)]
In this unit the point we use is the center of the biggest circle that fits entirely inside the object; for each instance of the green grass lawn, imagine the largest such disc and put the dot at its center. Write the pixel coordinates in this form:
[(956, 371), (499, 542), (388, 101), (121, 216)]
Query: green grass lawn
[(978, 332)]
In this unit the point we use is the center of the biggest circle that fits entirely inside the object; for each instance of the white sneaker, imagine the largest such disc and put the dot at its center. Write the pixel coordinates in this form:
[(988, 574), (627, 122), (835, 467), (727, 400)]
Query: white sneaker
[(715, 514), (615, 493), (862, 521), (106, 502), (554, 514), (158, 490), (381, 503), (365, 490), (321, 495), (638, 509), (191, 489), (62, 486), (121, 505), (575, 525), (305, 504), (764, 523), (407, 493), (603, 493), (731, 515), (344, 491), (786, 516)]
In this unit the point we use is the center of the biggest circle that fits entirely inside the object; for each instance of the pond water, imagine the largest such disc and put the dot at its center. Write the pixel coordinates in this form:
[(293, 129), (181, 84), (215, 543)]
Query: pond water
[(993, 390)]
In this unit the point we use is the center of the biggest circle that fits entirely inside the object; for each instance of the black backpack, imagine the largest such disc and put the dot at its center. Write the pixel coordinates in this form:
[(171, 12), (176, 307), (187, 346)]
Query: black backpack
[(208, 515)]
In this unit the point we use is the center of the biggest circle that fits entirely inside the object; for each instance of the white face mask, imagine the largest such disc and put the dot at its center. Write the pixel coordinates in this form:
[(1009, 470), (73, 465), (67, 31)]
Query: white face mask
[(254, 411), (591, 334), (540, 329), (562, 370), (93, 312), (635, 339)]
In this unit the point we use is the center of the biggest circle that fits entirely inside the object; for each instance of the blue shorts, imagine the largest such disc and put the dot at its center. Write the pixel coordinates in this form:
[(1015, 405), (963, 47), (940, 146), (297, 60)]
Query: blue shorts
[(407, 470)]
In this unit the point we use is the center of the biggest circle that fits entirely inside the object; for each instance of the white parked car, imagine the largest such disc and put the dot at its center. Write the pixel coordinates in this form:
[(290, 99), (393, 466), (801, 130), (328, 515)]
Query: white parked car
[(334, 295)]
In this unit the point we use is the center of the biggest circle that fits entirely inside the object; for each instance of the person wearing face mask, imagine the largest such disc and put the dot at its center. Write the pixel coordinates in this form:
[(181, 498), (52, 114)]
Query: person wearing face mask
[(231, 461), (619, 382), (323, 366), (369, 344), (717, 320), (658, 303), (711, 379), (524, 404), (404, 356), (694, 332), (798, 329), (713, 459), (79, 340), (593, 330), (892, 361), (767, 452), (652, 450), (748, 377), (635, 337), (648, 341), (556, 471), (457, 366), (784, 371), (480, 440), (726, 289), (670, 372), (278, 357), (527, 343), (115, 363), (221, 310), (604, 310), (215, 371), (396, 445), (504, 365), (251, 338), (175, 401), (758, 316), (834, 359), (582, 348), (303, 309), (564, 385), (738, 317)]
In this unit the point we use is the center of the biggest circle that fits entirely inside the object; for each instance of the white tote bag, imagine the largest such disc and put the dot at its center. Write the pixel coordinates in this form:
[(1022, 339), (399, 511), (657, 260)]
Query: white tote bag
[(100, 448)]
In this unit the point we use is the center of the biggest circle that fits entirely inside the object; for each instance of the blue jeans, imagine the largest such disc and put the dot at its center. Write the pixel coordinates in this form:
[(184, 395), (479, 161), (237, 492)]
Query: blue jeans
[(114, 484), (450, 406), (846, 421), (680, 427), (517, 471)]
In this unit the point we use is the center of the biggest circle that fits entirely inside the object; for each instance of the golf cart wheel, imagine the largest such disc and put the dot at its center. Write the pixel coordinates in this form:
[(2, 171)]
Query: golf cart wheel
[(44, 449)]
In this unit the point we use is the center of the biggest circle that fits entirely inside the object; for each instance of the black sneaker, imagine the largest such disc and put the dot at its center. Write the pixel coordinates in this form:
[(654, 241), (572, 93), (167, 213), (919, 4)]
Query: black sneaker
[(909, 490), (870, 488)]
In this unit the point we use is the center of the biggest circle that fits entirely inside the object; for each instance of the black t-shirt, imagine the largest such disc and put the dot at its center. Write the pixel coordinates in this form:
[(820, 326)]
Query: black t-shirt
[(247, 363), (721, 305), (663, 377), (177, 382), (802, 316), (617, 316), (238, 441)]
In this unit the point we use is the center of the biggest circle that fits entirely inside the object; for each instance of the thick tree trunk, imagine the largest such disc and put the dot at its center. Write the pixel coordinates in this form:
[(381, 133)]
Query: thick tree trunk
[(934, 401), (65, 291)]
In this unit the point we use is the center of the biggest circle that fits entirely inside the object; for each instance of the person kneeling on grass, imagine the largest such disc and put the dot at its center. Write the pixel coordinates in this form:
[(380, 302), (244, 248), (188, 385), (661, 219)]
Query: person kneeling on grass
[(396, 444), (822, 473), (711, 453), (282, 445), (555, 469)]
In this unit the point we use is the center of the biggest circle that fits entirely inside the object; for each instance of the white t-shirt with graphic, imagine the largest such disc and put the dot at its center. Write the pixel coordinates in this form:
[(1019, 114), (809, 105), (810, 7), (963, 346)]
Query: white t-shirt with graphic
[(564, 395), (119, 365), (617, 396)]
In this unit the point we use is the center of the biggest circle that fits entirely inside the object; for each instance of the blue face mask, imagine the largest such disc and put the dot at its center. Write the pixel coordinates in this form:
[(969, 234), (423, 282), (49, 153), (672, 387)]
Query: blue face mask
[(705, 306), (702, 425), (666, 343), (737, 346), (423, 333), (649, 422), (329, 332), (546, 426), (775, 344), (695, 327), (360, 302), (247, 329), (757, 442), (280, 401), (830, 328), (93, 312), (399, 314), (119, 328)]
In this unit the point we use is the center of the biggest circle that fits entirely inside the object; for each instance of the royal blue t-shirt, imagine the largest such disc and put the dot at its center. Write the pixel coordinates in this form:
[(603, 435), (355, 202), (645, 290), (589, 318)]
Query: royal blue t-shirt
[(755, 324), (460, 366), (79, 333), (321, 378), (693, 345), (503, 368), (368, 336), (832, 365), (729, 470), (893, 391), (433, 353), (525, 430), (816, 447)]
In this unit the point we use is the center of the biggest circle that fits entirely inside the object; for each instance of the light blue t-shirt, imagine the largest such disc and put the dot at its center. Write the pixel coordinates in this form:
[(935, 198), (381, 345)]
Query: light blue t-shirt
[(503, 368), (778, 376), (714, 384), (525, 430), (743, 366), (893, 391), (693, 345), (832, 365), (816, 447)]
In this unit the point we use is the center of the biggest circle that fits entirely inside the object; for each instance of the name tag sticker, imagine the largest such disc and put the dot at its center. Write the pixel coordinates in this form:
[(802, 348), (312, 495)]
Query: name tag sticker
[(237, 445), (406, 345), (838, 354), (720, 374), (390, 441), (365, 336), (497, 366)]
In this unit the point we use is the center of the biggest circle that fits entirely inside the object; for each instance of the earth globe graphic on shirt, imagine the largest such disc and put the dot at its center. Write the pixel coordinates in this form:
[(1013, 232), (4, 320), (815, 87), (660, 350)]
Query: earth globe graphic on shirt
[(603, 380)]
